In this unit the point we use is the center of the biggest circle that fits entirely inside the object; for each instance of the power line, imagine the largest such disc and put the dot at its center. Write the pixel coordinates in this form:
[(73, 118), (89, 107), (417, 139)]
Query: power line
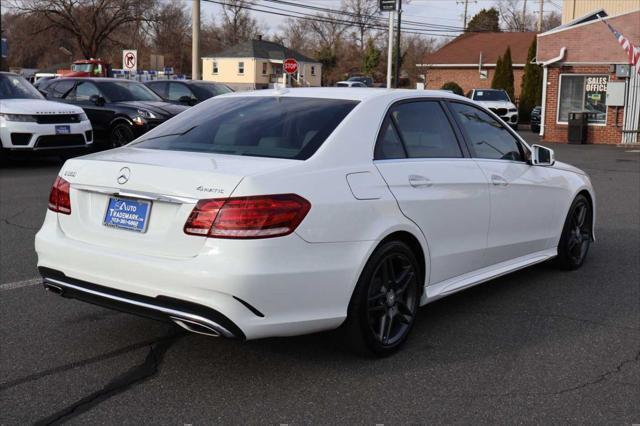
[(325, 19)]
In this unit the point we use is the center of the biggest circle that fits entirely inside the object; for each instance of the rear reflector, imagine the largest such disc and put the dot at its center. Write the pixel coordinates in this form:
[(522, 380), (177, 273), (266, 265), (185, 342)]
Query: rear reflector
[(263, 216), (59, 200)]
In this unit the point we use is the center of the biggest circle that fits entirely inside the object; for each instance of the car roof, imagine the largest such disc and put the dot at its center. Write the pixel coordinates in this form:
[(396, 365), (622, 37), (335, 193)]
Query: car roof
[(347, 93), (98, 79)]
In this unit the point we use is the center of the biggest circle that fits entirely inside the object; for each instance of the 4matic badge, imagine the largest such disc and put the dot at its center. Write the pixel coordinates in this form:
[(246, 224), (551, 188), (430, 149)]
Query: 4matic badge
[(210, 190)]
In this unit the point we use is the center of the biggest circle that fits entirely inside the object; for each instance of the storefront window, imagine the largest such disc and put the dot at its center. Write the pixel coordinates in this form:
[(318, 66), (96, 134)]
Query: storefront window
[(583, 93)]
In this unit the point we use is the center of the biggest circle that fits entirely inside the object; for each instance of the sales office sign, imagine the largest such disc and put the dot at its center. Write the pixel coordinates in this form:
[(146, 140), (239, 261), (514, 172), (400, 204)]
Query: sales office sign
[(596, 84)]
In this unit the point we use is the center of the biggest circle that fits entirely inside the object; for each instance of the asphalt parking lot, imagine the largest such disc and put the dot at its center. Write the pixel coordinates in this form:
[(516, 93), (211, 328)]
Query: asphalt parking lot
[(536, 346)]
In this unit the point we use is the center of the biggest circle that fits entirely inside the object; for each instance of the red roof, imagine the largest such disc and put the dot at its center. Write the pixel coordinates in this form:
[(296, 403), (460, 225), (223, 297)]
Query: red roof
[(465, 49)]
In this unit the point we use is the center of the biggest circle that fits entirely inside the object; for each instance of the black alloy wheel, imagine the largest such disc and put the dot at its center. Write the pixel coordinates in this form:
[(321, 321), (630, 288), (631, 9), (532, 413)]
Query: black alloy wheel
[(576, 235), (121, 134), (385, 302)]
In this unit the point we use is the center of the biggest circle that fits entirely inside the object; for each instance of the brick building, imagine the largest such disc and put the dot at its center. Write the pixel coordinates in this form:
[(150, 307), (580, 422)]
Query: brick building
[(470, 60), (585, 69)]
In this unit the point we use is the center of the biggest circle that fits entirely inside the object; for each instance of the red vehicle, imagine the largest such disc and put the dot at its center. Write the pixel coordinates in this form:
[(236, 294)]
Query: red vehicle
[(87, 68)]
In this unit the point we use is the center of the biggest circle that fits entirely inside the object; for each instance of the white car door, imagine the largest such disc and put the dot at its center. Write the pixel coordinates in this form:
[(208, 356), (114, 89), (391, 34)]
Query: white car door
[(521, 194), (436, 185)]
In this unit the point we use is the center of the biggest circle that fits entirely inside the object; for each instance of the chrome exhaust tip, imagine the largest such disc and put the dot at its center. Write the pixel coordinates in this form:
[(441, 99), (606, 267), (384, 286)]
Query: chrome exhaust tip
[(196, 327), (53, 288)]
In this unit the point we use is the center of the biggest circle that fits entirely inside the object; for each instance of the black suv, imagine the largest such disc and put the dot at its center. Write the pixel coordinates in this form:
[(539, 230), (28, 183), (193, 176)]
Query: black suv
[(535, 119), (187, 92), (119, 110)]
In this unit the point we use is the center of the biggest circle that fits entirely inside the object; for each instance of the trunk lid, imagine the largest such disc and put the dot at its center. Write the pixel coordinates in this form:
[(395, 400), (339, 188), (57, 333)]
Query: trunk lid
[(172, 181)]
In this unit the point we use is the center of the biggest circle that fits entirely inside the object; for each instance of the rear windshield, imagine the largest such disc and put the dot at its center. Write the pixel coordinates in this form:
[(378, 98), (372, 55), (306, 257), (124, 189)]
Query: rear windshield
[(278, 127)]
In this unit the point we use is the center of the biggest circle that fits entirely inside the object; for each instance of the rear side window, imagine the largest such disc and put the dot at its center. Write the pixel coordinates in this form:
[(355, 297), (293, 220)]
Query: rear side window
[(159, 88), (424, 131), (279, 127), (489, 138), (60, 89)]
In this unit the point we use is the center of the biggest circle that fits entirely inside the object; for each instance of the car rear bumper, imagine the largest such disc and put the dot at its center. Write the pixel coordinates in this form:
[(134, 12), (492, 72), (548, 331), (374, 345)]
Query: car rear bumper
[(271, 287)]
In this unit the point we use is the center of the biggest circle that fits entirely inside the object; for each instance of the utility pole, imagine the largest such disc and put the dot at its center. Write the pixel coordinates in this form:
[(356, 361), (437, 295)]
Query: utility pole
[(397, 76), (466, 8), (540, 12), (390, 50), (524, 16), (195, 40)]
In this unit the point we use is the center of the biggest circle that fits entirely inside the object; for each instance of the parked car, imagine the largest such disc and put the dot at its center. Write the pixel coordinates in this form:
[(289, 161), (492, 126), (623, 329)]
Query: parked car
[(187, 92), (368, 81), (29, 122), (284, 212), (535, 119), (350, 84), (119, 110), (499, 102)]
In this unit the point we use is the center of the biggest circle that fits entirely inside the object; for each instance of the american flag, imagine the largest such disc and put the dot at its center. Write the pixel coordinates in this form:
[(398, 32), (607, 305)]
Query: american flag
[(632, 51)]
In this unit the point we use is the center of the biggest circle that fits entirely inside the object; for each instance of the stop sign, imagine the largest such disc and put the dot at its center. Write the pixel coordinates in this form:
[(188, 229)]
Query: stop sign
[(290, 65)]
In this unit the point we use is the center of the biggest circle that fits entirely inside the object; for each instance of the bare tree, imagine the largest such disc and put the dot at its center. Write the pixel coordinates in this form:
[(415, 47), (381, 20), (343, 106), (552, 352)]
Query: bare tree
[(296, 34), (237, 24), (550, 21), (170, 34), (92, 23), (511, 16), (364, 15)]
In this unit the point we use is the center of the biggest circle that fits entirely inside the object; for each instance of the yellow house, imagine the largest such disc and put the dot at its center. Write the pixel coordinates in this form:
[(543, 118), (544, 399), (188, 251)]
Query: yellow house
[(574, 9), (257, 64)]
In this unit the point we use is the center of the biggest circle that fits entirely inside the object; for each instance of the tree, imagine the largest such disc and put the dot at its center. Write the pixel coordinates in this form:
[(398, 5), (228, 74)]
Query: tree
[(551, 21), (454, 87), (531, 94), (507, 66), (169, 33), (497, 82), (363, 14), (485, 20), (92, 23), (371, 58), (511, 15), (237, 24)]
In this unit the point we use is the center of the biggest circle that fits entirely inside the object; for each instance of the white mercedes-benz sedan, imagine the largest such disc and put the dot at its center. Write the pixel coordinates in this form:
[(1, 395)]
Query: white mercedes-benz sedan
[(278, 213)]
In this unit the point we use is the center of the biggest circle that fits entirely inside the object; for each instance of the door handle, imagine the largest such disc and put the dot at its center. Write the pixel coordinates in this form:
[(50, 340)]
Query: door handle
[(418, 181), (498, 180)]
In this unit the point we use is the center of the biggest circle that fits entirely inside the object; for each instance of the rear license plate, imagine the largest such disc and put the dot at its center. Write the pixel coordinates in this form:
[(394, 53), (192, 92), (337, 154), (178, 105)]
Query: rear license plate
[(128, 214), (63, 130)]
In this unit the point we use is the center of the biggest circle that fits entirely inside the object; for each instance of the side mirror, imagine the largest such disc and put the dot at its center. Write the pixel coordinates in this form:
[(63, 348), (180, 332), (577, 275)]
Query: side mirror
[(97, 100), (187, 100), (542, 156)]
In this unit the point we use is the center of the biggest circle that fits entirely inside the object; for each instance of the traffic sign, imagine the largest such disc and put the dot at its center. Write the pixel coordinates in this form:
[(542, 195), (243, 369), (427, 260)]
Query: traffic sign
[(387, 5), (130, 60), (290, 65)]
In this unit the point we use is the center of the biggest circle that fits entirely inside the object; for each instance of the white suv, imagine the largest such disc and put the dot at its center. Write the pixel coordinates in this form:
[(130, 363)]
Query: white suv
[(499, 102), (29, 122)]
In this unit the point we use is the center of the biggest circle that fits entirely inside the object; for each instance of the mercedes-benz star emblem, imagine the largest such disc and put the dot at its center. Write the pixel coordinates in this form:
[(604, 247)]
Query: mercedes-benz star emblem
[(125, 174)]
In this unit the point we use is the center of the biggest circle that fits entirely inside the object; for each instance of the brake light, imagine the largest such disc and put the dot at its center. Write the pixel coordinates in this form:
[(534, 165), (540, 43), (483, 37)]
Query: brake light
[(59, 200), (263, 216)]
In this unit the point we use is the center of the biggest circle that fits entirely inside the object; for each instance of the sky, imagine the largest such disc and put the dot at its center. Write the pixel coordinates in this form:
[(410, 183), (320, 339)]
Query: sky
[(439, 12)]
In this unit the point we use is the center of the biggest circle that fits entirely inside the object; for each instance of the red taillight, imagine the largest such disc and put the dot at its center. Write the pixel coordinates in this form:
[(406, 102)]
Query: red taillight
[(59, 200), (262, 216)]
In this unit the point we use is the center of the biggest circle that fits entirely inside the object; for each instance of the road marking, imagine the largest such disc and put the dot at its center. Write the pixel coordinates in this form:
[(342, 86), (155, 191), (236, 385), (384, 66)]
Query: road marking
[(20, 284)]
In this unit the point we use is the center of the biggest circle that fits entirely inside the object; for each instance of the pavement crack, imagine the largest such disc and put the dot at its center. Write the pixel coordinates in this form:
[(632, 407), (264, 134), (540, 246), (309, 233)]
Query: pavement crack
[(8, 221), (137, 374), (602, 377), (76, 364)]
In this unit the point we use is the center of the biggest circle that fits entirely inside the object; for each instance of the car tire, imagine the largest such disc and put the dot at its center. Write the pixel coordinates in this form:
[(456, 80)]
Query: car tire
[(535, 129), (385, 301), (576, 235), (120, 135)]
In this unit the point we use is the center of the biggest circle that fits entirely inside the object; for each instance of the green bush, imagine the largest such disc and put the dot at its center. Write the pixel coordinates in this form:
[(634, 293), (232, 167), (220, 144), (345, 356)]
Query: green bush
[(454, 87)]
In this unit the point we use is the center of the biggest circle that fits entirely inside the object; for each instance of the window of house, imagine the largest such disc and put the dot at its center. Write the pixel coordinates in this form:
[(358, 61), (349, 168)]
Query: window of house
[(264, 68), (240, 67), (215, 67), (313, 70), (583, 93)]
